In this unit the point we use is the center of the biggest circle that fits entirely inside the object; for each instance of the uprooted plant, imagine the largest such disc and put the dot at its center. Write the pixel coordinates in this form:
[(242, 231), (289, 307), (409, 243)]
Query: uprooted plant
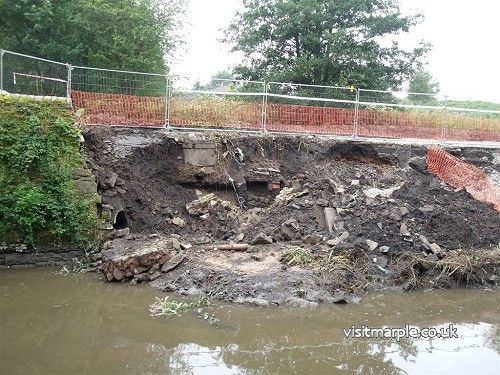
[(457, 268)]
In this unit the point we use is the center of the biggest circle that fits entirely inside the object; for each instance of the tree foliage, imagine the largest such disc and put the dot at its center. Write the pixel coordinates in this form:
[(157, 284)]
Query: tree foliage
[(120, 34), (335, 42)]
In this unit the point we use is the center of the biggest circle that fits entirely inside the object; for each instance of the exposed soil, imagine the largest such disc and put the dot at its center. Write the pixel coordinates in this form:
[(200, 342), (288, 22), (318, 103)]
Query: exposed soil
[(322, 218)]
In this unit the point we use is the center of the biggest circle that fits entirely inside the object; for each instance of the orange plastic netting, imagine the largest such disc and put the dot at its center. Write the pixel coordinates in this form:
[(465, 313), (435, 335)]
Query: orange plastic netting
[(462, 175)]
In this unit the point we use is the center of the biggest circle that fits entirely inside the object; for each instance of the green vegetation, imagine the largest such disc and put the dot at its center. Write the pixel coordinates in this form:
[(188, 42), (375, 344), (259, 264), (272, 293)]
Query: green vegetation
[(171, 308), (115, 34), (325, 42), (39, 151), (297, 256)]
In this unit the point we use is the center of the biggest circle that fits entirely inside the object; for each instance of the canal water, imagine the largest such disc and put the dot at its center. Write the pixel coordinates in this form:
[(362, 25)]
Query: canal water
[(78, 324)]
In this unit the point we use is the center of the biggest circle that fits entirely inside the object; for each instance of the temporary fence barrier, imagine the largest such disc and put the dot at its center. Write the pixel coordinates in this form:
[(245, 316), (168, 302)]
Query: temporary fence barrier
[(310, 108), (124, 98), (223, 103), (121, 98), (27, 75), (462, 175)]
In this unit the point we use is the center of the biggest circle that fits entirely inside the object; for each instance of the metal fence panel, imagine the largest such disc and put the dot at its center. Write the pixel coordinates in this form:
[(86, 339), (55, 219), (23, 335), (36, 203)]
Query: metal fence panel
[(310, 109), (222, 103), (119, 98), (27, 75)]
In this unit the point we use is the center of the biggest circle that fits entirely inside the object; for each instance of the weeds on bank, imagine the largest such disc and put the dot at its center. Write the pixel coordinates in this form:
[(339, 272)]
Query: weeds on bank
[(170, 308), (297, 256), (457, 268)]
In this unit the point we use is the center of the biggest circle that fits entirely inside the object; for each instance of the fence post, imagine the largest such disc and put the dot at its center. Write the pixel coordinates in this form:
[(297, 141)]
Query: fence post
[(264, 109), (68, 82), (1, 70), (167, 104), (444, 119), (356, 115)]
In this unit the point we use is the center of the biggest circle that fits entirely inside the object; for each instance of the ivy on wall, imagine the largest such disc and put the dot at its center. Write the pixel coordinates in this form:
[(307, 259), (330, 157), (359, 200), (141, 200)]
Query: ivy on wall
[(39, 151)]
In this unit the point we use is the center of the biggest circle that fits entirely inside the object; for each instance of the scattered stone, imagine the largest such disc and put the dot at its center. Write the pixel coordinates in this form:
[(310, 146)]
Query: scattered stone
[(110, 182), (173, 262), (427, 208), (381, 261), (379, 225), (342, 297), (262, 239), (330, 218), (186, 246), (383, 249), (290, 230), (179, 222), (202, 205), (154, 276), (374, 192), (141, 277), (336, 241), (372, 245), (313, 239), (252, 301), (301, 303), (403, 230), (239, 237), (404, 211), (122, 232), (355, 182)]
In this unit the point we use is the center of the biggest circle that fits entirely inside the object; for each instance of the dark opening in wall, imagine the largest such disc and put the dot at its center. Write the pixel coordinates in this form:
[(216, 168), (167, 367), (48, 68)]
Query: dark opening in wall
[(121, 221)]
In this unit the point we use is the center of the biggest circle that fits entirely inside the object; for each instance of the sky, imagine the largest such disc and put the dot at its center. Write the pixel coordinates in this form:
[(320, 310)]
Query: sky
[(465, 58)]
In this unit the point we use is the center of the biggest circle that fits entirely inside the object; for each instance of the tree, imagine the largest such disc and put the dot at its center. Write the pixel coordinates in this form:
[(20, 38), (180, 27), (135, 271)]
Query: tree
[(332, 42), (120, 34), (423, 83)]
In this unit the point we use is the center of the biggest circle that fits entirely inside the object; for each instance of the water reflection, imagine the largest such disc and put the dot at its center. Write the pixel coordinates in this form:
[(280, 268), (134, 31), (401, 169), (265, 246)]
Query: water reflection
[(54, 324)]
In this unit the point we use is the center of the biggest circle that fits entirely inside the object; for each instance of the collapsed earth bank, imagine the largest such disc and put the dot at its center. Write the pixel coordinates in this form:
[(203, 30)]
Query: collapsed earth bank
[(286, 219)]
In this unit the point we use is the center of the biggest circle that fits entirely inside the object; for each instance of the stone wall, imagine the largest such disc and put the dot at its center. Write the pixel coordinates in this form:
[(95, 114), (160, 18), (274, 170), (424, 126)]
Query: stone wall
[(23, 257)]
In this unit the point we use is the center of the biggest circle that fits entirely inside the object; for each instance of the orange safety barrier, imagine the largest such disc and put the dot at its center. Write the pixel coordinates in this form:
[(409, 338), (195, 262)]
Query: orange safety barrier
[(148, 111), (462, 175), (118, 109)]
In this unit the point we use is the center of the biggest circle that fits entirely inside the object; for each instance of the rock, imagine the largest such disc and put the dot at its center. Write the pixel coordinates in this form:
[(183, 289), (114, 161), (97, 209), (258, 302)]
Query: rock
[(330, 218), (313, 239), (403, 230), (381, 261), (290, 230), (252, 301), (179, 222), (176, 244), (173, 262), (383, 249), (374, 192), (125, 259), (355, 182), (427, 208), (342, 297), (110, 182), (372, 245), (262, 239), (404, 211), (82, 172), (239, 237), (301, 303), (186, 246), (122, 232), (435, 248), (336, 241), (155, 276), (202, 205), (141, 277)]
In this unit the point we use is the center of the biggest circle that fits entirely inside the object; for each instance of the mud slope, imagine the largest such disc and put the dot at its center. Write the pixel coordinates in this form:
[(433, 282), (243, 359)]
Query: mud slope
[(373, 205)]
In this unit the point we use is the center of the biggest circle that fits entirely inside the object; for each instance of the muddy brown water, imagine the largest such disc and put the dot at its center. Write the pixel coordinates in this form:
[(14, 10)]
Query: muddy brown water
[(72, 324)]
